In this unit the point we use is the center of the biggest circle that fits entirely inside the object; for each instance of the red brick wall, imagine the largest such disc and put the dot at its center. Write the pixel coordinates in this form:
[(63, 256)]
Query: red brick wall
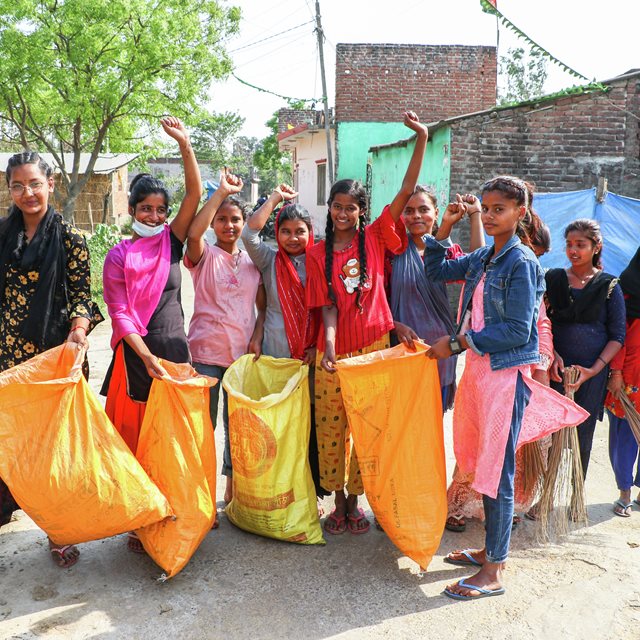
[(564, 145), (374, 82)]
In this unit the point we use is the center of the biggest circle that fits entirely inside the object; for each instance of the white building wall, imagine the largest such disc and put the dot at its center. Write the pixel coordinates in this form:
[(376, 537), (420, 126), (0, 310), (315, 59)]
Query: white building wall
[(311, 147)]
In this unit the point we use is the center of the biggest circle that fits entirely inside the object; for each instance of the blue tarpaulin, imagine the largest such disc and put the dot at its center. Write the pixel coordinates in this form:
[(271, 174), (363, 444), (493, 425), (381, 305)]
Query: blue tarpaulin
[(618, 216)]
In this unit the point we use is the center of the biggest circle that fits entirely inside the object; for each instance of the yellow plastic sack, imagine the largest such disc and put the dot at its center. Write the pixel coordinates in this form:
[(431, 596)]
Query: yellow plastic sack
[(393, 403), (269, 424), (62, 459), (177, 449)]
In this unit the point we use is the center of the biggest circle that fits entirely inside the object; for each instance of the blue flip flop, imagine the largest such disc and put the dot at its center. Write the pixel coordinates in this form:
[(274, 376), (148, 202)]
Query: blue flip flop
[(470, 560), (482, 593)]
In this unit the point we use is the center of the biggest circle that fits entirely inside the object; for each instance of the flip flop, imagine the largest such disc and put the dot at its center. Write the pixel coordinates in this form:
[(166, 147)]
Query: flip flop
[(482, 593), (61, 561), (470, 560), (339, 524), (623, 507), (354, 521), (457, 528)]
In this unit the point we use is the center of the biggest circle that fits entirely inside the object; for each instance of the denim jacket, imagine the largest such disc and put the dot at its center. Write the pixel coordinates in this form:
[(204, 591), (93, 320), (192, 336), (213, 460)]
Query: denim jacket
[(513, 288)]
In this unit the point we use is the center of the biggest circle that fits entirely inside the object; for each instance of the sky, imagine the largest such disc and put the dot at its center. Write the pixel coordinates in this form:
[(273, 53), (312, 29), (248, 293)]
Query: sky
[(597, 39)]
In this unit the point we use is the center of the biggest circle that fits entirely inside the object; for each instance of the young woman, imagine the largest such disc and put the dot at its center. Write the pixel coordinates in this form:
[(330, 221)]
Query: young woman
[(503, 289), (587, 313), (345, 278), (45, 286), (227, 290), (420, 306), (142, 290)]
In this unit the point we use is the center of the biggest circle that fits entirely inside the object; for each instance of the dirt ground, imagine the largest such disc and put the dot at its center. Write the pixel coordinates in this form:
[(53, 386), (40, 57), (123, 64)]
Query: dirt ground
[(586, 586)]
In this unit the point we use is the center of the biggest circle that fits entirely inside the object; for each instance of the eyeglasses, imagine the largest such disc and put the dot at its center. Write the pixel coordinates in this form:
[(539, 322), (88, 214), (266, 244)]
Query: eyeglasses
[(19, 189), (147, 209)]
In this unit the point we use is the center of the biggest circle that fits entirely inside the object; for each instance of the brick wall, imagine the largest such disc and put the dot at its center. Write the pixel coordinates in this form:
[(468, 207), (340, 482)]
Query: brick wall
[(564, 145), (376, 82)]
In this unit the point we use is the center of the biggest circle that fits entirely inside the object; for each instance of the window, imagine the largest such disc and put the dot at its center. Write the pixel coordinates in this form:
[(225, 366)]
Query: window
[(322, 183)]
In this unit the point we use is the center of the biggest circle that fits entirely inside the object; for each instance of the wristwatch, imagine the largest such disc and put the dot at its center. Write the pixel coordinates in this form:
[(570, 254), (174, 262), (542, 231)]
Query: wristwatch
[(455, 346)]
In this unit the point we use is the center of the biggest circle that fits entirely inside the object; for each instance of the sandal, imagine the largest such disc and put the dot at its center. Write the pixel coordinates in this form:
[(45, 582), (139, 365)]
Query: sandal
[(335, 524), (621, 509), (354, 522), (456, 524), (466, 560), (62, 560)]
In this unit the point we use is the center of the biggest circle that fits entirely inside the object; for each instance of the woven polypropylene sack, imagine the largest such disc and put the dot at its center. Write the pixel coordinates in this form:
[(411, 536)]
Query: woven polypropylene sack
[(269, 424), (177, 449), (394, 407), (63, 461)]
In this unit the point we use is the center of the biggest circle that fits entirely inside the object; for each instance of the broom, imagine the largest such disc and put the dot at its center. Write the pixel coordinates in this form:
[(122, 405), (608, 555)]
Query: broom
[(563, 482), (533, 467), (631, 414)]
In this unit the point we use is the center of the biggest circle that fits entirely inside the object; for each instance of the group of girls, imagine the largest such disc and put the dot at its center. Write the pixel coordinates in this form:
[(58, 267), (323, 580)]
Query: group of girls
[(363, 287)]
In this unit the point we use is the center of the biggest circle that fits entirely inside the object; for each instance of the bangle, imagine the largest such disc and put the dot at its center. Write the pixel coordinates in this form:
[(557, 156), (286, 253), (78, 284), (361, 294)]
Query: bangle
[(615, 373), (79, 327), (606, 364)]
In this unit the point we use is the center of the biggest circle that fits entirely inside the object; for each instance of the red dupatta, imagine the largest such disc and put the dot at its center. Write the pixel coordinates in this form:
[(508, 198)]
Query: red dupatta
[(299, 323)]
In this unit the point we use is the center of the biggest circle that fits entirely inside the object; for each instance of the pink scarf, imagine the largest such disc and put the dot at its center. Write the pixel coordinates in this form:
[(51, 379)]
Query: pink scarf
[(135, 275)]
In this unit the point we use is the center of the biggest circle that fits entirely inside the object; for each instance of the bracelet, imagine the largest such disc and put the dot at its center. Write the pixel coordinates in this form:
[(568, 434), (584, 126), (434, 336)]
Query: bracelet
[(615, 373), (79, 327), (606, 364)]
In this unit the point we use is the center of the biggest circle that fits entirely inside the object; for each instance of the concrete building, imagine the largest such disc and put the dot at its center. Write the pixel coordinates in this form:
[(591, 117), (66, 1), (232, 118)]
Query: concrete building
[(303, 135)]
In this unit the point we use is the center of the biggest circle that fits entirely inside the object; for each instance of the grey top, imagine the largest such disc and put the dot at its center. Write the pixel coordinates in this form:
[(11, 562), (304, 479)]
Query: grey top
[(264, 257)]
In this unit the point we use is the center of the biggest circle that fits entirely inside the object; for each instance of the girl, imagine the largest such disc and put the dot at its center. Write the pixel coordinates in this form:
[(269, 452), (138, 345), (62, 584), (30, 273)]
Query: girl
[(45, 286), (289, 330), (463, 501), (226, 291), (586, 308), (142, 291), (420, 305), (503, 290), (625, 378), (345, 277)]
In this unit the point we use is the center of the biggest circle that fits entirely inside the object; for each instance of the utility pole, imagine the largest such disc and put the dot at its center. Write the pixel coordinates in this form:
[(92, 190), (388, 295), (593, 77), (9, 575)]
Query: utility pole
[(325, 99)]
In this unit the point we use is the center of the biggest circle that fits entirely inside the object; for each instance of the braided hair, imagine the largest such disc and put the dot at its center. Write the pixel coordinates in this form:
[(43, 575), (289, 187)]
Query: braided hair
[(357, 191)]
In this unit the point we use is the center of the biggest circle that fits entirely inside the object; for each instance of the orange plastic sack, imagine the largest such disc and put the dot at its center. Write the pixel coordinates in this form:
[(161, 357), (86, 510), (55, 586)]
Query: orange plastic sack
[(393, 403), (62, 459), (177, 449)]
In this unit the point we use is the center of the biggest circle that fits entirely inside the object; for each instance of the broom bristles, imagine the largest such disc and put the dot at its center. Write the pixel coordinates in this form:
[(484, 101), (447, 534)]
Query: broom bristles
[(533, 468), (631, 414), (563, 482)]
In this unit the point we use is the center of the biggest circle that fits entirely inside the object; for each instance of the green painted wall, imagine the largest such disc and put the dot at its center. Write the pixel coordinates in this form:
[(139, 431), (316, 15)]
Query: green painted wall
[(355, 140), (388, 167)]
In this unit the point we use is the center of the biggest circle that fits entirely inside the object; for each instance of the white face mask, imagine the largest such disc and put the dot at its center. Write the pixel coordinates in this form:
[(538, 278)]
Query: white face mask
[(145, 231), (210, 237)]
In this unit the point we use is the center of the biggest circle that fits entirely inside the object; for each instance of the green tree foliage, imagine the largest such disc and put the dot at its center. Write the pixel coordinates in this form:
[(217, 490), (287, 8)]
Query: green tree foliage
[(82, 76), (211, 138), (522, 75), (273, 165)]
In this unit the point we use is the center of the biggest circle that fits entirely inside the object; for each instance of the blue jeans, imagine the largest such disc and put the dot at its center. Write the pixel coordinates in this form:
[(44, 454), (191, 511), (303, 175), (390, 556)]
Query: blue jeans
[(498, 511), (623, 453), (215, 371)]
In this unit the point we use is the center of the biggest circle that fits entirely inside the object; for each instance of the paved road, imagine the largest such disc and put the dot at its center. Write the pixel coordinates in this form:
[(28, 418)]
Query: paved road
[(242, 586)]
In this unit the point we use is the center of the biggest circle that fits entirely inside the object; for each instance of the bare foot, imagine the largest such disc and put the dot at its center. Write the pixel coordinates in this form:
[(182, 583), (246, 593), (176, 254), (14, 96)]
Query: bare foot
[(64, 556), (488, 582)]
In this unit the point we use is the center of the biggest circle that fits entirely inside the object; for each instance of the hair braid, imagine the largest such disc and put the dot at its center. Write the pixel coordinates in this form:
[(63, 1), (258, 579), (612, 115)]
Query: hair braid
[(362, 258), (328, 259)]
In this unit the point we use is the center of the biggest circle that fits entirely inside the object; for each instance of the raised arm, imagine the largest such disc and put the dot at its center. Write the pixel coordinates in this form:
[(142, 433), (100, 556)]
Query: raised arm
[(283, 193), (192, 182), (229, 184), (475, 221), (415, 164)]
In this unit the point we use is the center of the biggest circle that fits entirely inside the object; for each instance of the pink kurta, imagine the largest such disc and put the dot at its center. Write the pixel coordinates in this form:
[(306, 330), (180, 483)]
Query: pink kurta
[(483, 409)]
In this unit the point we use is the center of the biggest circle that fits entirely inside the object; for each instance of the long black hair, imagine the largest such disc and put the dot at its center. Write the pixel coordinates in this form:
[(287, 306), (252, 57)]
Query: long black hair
[(357, 191), (143, 185)]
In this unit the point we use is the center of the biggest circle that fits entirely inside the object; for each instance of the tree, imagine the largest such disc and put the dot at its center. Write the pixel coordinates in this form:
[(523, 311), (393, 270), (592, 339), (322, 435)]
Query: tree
[(522, 75), (273, 165), (212, 136), (83, 76)]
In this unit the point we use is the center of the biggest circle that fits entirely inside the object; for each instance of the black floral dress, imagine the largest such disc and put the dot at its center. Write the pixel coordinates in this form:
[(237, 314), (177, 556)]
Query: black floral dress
[(15, 300)]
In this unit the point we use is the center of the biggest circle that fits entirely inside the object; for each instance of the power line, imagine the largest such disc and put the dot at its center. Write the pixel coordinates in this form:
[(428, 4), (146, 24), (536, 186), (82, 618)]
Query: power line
[(281, 46), (275, 35)]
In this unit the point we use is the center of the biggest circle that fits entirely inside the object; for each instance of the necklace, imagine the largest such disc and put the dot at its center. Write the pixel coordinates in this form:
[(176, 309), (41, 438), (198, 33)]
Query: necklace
[(582, 280)]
